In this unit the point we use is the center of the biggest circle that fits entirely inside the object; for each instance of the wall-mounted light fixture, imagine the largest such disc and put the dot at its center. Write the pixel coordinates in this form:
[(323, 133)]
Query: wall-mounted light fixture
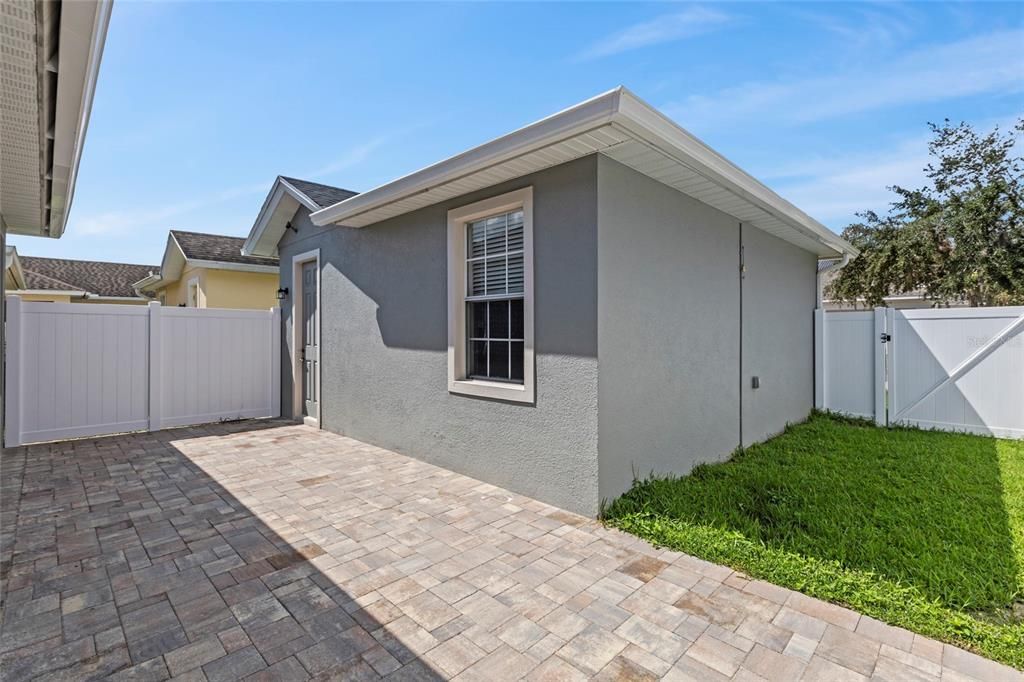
[(282, 293)]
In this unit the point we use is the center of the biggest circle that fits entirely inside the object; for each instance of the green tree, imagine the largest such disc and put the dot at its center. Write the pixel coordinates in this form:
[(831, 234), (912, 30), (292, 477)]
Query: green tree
[(961, 238)]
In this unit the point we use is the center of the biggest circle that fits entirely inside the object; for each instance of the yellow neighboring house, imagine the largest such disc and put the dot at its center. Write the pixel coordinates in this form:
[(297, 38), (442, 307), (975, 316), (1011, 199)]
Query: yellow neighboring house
[(62, 280), (209, 271)]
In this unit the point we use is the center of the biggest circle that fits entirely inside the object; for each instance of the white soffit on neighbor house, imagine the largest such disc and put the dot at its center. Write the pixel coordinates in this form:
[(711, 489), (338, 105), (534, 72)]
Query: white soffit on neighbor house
[(278, 208), (12, 266), (619, 125), (51, 59)]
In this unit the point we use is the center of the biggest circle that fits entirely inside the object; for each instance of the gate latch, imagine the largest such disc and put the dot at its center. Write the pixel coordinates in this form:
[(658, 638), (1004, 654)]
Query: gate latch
[(885, 338)]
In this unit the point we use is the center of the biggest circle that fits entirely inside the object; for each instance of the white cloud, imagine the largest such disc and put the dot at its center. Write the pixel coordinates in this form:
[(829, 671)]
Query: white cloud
[(668, 28), (114, 222), (352, 157), (982, 64), (121, 221), (835, 188), (866, 29)]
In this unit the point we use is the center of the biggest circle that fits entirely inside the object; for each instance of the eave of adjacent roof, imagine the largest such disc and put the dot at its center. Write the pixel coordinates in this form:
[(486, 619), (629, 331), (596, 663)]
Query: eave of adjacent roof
[(13, 263), (73, 62), (280, 205), (175, 261), (619, 125)]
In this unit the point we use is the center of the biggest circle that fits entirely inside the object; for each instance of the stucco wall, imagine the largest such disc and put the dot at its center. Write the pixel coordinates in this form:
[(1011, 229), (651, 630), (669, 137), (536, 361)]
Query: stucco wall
[(176, 293), (779, 292), (246, 290), (384, 343), (224, 289), (668, 338)]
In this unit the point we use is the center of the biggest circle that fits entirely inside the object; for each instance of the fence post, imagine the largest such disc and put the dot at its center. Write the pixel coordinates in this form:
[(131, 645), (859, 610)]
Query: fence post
[(12, 379), (275, 362), (880, 383), (819, 359), (155, 368)]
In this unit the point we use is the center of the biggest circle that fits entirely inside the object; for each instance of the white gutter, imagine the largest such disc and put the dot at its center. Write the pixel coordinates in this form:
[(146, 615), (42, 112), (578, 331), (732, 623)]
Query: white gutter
[(83, 31), (156, 280), (240, 267), (628, 114), (51, 292), (150, 282), (116, 299), (593, 113)]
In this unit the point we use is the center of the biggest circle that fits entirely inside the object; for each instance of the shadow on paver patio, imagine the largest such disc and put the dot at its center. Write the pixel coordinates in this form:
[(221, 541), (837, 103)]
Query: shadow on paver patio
[(123, 556)]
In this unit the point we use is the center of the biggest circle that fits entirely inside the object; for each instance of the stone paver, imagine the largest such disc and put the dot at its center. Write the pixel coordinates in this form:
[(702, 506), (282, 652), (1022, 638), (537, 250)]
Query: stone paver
[(269, 550)]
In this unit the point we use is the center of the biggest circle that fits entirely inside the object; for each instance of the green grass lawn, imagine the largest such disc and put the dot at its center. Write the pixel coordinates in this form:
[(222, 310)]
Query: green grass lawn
[(921, 529)]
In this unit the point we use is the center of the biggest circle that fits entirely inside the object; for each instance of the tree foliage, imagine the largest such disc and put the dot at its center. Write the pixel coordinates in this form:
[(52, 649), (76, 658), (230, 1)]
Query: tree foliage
[(960, 238)]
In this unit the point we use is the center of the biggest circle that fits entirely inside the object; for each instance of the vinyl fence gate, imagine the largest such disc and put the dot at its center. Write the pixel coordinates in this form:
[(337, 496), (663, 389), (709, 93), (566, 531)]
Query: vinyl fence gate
[(955, 369), (77, 369)]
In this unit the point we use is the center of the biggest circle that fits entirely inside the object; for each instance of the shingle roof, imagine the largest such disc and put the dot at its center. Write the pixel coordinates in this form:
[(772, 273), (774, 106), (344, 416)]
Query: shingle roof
[(217, 247), (94, 277), (322, 195)]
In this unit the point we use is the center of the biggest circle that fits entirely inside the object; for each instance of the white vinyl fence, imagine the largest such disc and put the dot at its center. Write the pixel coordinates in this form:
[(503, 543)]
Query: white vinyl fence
[(956, 369), (77, 369)]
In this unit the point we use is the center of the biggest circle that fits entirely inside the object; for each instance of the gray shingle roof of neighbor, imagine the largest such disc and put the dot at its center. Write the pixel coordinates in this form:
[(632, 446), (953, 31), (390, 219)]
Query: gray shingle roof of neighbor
[(217, 247), (322, 195), (94, 277)]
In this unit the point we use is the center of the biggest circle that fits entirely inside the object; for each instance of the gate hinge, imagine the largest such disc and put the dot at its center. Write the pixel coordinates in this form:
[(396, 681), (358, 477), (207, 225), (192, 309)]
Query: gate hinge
[(885, 338)]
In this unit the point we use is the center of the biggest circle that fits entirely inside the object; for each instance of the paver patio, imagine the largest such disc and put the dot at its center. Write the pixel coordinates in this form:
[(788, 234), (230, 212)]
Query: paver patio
[(270, 550)]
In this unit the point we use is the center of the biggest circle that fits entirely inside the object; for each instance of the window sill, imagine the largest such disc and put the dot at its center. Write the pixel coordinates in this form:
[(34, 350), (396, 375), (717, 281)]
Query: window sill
[(495, 390)]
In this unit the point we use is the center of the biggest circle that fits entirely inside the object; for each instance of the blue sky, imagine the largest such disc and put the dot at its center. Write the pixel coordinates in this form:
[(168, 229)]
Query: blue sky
[(201, 105)]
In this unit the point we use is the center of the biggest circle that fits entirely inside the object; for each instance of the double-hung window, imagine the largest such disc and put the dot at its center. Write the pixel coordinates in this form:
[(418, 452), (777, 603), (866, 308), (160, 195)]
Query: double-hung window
[(490, 273)]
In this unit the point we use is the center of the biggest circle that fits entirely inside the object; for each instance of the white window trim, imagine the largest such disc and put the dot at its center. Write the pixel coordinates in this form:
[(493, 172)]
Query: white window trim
[(457, 220), (297, 323)]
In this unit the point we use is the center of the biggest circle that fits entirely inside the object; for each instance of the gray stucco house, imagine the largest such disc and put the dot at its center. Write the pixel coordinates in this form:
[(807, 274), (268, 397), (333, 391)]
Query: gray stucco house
[(596, 294)]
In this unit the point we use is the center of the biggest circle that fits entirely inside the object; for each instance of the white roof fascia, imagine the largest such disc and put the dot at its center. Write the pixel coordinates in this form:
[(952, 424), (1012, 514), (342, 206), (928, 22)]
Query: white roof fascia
[(169, 271), (593, 113), (83, 31), (51, 292), (281, 189), (299, 196), (13, 263), (627, 113), (100, 297), (150, 282), (651, 126), (226, 265)]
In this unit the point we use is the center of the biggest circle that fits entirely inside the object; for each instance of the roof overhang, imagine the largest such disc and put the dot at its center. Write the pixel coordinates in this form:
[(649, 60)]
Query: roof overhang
[(237, 267), (278, 208), (50, 94), (619, 125), (74, 293), (174, 263), (12, 265), (151, 282), (171, 267), (116, 299)]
